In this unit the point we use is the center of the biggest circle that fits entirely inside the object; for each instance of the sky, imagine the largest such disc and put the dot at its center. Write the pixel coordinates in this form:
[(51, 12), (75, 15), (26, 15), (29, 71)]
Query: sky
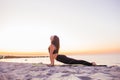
[(82, 25)]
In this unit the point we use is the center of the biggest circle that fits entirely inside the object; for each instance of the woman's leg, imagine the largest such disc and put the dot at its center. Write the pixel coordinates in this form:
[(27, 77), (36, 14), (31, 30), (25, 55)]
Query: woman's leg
[(74, 61), (63, 59), (67, 60)]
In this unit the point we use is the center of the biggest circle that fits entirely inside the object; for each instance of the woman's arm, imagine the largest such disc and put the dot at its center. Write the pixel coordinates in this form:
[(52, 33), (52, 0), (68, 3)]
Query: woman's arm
[(51, 54)]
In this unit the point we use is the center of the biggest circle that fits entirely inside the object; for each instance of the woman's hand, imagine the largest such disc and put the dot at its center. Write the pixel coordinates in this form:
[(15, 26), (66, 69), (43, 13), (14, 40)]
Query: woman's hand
[(50, 65)]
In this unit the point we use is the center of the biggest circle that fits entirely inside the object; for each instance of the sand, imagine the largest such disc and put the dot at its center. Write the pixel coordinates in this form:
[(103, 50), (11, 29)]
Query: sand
[(39, 71)]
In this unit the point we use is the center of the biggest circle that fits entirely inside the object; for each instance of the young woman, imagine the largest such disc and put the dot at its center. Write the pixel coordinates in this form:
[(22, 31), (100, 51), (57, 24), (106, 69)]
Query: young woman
[(53, 52)]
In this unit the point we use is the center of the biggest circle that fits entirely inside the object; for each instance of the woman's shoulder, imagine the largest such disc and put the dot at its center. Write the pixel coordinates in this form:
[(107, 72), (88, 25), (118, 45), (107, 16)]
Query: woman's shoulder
[(52, 46)]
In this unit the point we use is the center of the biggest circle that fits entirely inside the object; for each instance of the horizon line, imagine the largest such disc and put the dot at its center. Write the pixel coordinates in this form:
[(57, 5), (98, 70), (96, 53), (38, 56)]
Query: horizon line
[(41, 53)]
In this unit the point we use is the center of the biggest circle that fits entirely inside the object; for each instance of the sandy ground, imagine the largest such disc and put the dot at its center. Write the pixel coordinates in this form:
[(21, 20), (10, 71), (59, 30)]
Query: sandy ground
[(39, 71)]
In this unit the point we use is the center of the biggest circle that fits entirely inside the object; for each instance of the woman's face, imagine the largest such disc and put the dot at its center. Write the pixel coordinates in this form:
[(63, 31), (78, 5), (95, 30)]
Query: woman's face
[(51, 38)]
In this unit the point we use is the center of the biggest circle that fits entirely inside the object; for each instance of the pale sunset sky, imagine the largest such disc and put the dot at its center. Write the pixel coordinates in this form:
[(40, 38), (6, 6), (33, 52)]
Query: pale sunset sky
[(82, 25)]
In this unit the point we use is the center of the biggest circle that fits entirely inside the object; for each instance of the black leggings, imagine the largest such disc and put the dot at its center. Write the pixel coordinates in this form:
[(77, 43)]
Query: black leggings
[(67, 60)]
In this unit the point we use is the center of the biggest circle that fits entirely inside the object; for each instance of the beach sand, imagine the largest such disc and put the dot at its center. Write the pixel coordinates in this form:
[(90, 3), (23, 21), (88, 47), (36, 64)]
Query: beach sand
[(39, 71)]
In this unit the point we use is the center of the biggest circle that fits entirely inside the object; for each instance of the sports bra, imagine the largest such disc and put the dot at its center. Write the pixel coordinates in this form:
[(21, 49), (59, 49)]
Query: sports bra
[(54, 52)]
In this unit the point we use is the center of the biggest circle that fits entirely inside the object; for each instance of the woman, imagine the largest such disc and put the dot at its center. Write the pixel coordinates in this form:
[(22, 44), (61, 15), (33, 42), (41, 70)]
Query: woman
[(54, 49)]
